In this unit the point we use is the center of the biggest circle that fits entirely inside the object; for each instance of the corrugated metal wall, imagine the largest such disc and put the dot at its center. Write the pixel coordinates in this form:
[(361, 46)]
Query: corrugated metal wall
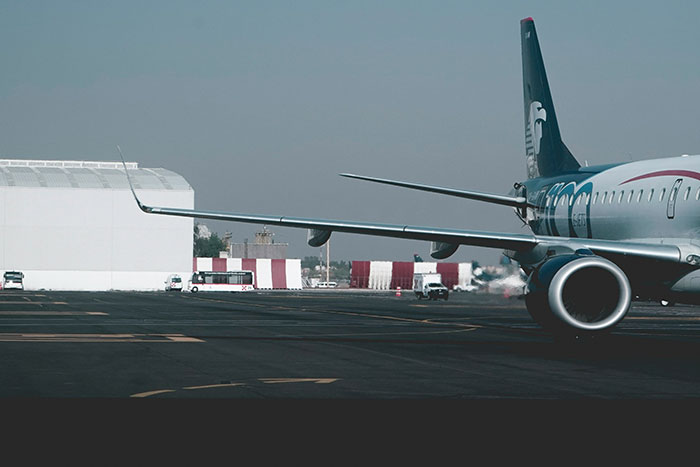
[(384, 275)]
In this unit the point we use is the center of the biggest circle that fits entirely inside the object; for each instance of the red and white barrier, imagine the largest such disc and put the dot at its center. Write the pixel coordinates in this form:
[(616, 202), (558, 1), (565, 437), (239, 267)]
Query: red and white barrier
[(269, 273), (385, 275)]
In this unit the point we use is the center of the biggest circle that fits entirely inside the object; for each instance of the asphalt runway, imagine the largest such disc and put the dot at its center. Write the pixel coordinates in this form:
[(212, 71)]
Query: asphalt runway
[(330, 345)]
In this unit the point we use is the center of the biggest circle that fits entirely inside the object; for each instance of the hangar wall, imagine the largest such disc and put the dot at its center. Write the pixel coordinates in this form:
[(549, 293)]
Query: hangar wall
[(84, 237)]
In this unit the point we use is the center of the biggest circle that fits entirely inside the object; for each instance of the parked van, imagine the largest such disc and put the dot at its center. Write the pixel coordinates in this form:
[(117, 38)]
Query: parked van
[(174, 282), (13, 280)]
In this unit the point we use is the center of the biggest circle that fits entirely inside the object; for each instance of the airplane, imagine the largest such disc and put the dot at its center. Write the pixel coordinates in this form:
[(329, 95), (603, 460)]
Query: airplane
[(602, 236)]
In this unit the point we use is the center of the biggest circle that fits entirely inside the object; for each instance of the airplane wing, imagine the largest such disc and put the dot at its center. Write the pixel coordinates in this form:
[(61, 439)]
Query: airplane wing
[(444, 241), (320, 230), (515, 201)]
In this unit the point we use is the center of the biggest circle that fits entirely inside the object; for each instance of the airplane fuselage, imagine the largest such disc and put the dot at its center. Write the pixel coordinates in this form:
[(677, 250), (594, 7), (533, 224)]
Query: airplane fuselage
[(653, 200)]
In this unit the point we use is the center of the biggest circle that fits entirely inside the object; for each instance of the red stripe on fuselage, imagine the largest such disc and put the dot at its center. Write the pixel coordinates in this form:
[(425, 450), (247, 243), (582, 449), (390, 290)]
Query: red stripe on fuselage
[(665, 173)]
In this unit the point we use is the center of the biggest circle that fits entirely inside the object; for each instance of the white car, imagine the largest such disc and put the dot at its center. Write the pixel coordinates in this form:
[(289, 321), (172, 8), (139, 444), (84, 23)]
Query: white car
[(13, 280), (174, 282), (327, 285)]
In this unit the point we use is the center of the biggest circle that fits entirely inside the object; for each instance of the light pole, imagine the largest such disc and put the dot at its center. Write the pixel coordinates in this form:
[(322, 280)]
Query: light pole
[(328, 260)]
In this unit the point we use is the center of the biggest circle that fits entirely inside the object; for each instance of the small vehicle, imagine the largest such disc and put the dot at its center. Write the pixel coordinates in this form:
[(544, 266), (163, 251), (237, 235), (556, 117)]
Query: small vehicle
[(327, 285), (429, 285), (13, 280), (174, 282)]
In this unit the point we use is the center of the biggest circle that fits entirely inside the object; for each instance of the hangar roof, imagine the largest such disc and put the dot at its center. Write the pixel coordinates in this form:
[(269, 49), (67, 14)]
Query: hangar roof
[(86, 174)]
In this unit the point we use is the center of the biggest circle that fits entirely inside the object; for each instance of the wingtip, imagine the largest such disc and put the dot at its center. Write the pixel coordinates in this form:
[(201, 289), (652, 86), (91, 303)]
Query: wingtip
[(141, 206)]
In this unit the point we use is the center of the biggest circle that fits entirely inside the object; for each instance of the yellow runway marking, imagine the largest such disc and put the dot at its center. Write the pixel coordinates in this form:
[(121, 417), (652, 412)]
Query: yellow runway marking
[(7, 302), (152, 393), (93, 338), (179, 338), (397, 318), (209, 386), (233, 384), (52, 313), (298, 380)]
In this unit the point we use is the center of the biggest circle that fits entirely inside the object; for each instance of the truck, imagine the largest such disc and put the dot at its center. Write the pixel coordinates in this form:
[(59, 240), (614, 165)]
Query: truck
[(429, 285)]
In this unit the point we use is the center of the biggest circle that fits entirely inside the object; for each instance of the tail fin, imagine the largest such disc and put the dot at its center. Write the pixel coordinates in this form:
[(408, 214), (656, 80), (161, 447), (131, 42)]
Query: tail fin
[(546, 153)]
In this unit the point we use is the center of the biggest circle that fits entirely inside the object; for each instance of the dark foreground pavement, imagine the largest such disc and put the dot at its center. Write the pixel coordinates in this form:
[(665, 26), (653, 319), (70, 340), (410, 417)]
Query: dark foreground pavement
[(330, 345)]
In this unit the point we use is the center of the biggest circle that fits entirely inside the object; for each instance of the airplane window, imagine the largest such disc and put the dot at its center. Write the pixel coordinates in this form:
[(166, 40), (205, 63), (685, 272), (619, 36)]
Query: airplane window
[(605, 195), (546, 203), (588, 198), (662, 194), (578, 200), (571, 200), (629, 198), (595, 197), (687, 193), (639, 196), (612, 196), (622, 193), (697, 194), (651, 194)]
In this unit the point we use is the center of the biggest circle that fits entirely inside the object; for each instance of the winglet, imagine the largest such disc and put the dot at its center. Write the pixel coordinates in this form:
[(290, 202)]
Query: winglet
[(519, 202), (143, 207)]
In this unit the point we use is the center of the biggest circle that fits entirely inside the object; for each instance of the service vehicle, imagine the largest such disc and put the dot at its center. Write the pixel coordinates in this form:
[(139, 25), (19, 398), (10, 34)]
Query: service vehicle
[(429, 285), (13, 280), (228, 281), (173, 282)]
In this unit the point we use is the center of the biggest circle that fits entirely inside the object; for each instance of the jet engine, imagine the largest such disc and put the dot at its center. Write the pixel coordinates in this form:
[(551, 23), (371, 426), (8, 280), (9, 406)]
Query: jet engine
[(578, 294)]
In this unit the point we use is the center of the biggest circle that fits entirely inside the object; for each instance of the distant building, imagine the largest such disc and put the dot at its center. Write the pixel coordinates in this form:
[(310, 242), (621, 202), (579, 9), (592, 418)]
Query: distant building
[(263, 247), (74, 225)]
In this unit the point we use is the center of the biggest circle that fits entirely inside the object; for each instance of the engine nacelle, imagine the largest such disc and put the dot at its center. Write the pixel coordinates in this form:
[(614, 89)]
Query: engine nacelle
[(580, 293), (317, 237), (441, 250)]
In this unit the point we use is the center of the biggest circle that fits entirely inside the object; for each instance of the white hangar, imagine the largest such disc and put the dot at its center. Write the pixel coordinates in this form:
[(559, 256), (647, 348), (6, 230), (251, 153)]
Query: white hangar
[(74, 225)]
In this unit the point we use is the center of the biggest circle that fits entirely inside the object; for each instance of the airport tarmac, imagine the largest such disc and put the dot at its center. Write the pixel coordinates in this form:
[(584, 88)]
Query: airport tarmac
[(330, 344)]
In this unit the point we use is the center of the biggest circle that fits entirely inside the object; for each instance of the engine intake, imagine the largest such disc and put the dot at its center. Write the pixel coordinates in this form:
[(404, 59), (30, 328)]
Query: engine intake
[(578, 292)]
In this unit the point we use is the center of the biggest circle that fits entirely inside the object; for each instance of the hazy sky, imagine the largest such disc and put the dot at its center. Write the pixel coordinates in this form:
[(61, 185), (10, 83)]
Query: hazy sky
[(260, 104)]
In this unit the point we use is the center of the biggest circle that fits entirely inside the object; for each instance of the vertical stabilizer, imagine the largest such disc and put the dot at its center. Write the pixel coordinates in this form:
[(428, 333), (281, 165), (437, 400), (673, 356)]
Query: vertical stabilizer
[(546, 153)]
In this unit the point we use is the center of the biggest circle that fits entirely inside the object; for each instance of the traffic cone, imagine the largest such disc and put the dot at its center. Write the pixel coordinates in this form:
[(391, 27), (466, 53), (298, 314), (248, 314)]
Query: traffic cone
[(398, 291)]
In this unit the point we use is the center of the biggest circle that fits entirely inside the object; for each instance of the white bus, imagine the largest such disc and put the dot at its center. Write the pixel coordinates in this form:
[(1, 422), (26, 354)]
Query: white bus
[(229, 281)]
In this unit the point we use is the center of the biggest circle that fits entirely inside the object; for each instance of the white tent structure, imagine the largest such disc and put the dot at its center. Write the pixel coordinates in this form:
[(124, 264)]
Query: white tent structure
[(74, 225)]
